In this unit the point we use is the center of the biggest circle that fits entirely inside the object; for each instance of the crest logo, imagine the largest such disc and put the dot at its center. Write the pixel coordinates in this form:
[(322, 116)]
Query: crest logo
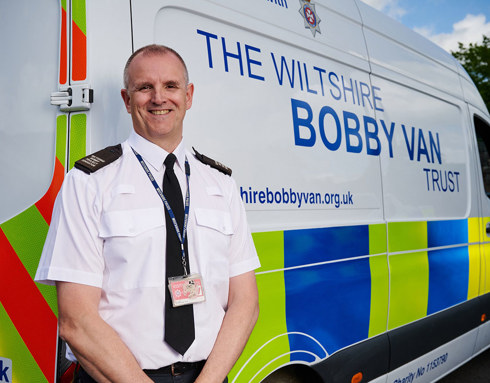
[(310, 16)]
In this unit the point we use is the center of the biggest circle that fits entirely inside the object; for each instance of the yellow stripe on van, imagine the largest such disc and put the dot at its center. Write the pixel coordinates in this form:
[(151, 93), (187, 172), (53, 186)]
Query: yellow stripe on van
[(12, 346), (269, 339), (78, 137), (61, 134), (485, 257), (409, 293), (26, 233), (270, 248), (474, 257), (379, 279)]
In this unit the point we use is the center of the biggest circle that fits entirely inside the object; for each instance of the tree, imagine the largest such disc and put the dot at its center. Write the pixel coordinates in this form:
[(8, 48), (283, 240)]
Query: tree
[(475, 58)]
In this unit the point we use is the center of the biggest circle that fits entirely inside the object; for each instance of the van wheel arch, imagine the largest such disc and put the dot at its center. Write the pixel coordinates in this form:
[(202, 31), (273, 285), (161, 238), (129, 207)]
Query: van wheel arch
[(294, 373)]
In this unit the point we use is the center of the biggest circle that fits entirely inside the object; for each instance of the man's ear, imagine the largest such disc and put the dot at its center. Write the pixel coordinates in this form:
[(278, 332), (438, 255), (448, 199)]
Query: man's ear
[(126, 98), (189, 95)]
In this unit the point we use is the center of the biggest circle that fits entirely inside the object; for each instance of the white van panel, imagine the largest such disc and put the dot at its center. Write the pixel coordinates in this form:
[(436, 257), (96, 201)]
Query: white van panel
[(388, 55), (483, 337), (396, 48), (265, 111), (339, 36), (27, 137), (109, 46), (426, 169)]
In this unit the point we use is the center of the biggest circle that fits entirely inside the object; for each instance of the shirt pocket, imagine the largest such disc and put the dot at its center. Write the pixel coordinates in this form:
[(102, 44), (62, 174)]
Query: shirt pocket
[(134, 248), (214, 229)]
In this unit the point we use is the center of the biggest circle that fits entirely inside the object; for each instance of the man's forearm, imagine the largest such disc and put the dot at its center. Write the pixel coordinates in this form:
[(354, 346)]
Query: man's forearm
[(104, 356), (98, 348), (238, 323)]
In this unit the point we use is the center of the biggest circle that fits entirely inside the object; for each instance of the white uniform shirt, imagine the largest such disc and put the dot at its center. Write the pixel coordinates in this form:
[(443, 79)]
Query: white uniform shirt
[(108, 230)]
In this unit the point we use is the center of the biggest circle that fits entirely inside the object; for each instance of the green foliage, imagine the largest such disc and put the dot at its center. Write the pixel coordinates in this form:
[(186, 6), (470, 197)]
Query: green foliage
[(475, 58)]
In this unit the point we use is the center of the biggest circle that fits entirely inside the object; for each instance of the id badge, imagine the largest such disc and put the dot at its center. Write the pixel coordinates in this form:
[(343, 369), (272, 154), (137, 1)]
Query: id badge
[(186, 290)]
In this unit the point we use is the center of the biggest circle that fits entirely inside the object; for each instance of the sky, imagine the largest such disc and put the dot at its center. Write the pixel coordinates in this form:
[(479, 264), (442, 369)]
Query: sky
[(445, 22)]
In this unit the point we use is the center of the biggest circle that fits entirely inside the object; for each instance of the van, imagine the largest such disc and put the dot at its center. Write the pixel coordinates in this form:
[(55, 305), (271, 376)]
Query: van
[(360, 150)]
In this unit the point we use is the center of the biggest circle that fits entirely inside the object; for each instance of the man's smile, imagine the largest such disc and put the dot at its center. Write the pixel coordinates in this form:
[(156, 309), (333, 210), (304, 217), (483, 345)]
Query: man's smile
[(160, 112)]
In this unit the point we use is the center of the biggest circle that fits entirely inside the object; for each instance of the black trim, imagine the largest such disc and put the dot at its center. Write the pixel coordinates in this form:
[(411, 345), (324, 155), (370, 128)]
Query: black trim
[(416, 339), (370, 357), (386, 352)]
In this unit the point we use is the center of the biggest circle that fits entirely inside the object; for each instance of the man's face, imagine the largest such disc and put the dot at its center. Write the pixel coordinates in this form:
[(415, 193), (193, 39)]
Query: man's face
[(157, 98)]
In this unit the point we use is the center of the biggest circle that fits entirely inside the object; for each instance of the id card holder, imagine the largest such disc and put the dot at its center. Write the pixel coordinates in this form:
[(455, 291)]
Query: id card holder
[(186, 290)]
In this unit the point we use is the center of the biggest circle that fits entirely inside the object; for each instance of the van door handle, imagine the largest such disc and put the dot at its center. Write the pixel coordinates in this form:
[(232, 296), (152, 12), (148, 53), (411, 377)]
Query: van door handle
[(488, 229)]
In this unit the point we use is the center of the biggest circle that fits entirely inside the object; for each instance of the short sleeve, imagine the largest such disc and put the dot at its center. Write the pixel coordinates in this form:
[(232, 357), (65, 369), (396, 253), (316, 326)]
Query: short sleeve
[(73, 249), (243, 256)]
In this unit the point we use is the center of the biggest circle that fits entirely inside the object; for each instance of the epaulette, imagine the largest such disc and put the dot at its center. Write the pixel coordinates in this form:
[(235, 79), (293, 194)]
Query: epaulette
[(214, 164), (98, 160)]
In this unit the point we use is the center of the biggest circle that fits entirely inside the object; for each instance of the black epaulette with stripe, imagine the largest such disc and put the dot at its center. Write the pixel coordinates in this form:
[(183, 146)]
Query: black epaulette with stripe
[(214, 164), (98, 160)]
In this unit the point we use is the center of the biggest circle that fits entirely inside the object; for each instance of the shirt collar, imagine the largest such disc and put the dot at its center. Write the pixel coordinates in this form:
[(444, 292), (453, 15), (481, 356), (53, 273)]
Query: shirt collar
[(153, 154)]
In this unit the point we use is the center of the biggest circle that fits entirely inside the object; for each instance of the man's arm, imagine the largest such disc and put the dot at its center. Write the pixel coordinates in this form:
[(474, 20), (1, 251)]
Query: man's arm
[(239, 320), (98, 348)]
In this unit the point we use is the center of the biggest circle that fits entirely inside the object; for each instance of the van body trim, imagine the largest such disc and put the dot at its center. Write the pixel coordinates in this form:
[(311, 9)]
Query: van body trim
[(387, 352)]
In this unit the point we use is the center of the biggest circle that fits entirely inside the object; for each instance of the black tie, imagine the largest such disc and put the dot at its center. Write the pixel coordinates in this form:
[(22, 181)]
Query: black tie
[(179, 321)]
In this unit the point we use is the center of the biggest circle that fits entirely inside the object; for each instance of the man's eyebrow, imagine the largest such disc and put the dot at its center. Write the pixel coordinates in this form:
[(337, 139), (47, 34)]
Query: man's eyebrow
[(140, 84), (172, 82)]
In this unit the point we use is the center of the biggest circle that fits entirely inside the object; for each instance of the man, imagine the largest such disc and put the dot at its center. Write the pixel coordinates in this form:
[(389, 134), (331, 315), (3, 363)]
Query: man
[(111, 239)]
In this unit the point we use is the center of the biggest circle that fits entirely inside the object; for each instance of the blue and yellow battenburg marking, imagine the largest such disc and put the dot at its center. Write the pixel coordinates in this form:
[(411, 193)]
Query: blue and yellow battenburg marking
[(324, 289)]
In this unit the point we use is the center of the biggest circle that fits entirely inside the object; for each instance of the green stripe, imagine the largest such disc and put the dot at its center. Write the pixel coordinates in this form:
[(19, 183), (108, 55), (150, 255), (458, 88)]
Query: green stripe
[(78, 14), (24, 366), (26, 233), (379, 294), (272, 318), (409, 293), (271, 323), (409, 272), (377, 239), (379, 279), (61, 131), (63, 4), (405, 236), (270, 248), (78, 137), (474, 257)]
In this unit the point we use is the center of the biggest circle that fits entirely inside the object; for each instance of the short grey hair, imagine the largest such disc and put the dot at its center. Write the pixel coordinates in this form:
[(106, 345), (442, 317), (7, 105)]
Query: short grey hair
[(153, 49)]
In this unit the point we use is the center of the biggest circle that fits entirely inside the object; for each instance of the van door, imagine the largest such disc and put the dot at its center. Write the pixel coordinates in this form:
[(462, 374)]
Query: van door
[(39, 143), (481, 125), (30, 178)]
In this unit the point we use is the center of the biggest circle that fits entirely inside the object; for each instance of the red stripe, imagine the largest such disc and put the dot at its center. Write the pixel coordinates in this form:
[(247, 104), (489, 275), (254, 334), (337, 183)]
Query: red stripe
[(63, 49), (79, 54), (27, 309), (46, 203)]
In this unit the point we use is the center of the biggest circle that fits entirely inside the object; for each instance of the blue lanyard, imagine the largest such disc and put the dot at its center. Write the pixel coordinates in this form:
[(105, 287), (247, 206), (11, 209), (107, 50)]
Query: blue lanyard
[(167, 205)]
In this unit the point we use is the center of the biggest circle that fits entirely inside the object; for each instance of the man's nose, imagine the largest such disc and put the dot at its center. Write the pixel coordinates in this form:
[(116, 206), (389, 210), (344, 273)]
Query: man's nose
[(158, 96)]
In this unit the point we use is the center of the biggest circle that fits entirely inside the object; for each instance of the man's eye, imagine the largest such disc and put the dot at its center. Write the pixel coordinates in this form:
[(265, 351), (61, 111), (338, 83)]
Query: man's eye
[(144, 87)]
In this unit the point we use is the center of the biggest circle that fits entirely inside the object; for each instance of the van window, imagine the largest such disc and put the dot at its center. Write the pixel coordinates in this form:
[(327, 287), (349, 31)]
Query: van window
[(483, 140)]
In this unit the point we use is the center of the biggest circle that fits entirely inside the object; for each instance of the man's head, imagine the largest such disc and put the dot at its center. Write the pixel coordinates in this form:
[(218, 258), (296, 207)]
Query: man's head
[(157, 94)]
